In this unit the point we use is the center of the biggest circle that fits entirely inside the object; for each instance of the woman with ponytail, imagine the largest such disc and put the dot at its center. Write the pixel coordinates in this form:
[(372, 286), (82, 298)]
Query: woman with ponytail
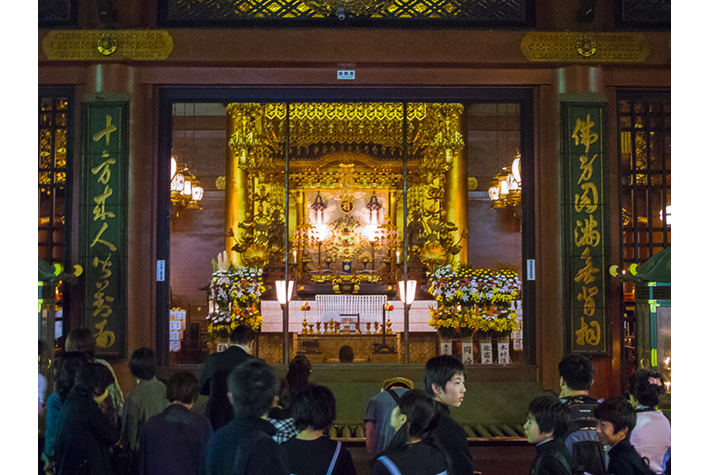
[(414, 448), (652, 435)]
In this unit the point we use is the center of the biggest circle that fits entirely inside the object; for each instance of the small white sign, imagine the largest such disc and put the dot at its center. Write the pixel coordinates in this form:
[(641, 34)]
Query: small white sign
[(160, 275), (531, 269), (346, 74)]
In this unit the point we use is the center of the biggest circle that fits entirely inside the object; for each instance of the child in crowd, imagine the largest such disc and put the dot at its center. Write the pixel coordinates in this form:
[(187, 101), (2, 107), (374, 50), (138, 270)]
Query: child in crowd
[(244, 444), (652, 436), (312, 452), (298, 375), (414, 448), (69, 363), (378, 431), (444, 380), (85, 434), (280, 415), (616, 420), (172, 442), (576, 378), (548, 420), (146, 400), (83, 339)]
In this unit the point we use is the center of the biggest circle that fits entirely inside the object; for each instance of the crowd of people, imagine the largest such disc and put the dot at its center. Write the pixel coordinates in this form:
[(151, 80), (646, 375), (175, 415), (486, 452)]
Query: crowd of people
[(258, 423)]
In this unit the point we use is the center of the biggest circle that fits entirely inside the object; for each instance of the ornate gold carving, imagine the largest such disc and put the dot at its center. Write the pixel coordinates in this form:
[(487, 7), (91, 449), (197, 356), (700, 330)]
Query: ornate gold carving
[(354, 7), (107, 44), (585, 46), (96, 45)]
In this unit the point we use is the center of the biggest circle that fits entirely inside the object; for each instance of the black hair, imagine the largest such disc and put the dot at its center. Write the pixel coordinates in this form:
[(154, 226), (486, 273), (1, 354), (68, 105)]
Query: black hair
[(69, 363), (346, 354), (242, 335), (577, 371), (253, 386), (440, 369), (92, 379), (551, 415), (647, 386), (182, 387), (81, 339), (422, 418), (314, 408), (618, 411), (142, 363), (298, 375)]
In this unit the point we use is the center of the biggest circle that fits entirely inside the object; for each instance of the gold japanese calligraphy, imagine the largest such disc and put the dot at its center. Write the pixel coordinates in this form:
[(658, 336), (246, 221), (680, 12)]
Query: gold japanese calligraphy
[(102, 302), (586, 233)]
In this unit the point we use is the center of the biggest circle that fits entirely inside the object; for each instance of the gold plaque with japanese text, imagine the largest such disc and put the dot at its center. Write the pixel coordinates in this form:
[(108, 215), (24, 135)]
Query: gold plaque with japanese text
[(585, 47), (109, 45)]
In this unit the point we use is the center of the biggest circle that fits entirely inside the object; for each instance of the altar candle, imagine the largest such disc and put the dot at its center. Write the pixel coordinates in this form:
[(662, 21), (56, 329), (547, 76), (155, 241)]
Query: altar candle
[(397, 257), (294, 255)]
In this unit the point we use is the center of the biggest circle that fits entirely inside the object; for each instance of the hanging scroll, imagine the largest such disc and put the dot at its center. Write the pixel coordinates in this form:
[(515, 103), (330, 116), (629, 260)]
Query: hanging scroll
[(584, 209), (103, 225)]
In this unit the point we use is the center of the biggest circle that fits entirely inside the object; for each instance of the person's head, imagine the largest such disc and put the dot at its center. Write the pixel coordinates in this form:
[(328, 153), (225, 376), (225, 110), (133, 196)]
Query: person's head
[(92, 380), (416, 412), (183, 387), (81, 339), (397, 382), (548, 418), (252, 387), (616, 419), (646, 387), (298, 374), (69, 363), (243, 336), (346, 354), (314, 408), (576, 374), (444, 379), (142, 363)]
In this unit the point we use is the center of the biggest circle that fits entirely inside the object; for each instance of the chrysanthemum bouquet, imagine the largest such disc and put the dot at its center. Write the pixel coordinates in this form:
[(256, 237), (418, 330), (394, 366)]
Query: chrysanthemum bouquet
[(235, 297)]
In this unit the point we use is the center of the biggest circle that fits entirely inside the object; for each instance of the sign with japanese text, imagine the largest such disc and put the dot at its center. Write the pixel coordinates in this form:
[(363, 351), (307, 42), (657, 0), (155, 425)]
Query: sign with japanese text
[(584, 220), (103, 224)]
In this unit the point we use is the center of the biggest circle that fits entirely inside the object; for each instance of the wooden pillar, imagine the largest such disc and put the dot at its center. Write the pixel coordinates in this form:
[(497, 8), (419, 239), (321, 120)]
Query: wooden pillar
[(117, 83)]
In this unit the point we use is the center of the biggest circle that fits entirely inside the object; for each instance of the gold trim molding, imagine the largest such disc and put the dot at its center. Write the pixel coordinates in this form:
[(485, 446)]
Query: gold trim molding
[(107, 45), (585, 47)]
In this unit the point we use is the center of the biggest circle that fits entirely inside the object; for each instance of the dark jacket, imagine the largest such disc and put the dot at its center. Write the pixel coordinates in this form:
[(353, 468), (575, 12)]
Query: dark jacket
[(624, 460), (553, 458), (259, 454), (419, 458), (314, 457), (84, 437), (453, 440), (172, 442), (214, 383)]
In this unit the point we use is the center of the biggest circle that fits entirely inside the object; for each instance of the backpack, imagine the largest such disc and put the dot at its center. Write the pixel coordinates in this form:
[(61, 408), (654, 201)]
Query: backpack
[(587, 452)]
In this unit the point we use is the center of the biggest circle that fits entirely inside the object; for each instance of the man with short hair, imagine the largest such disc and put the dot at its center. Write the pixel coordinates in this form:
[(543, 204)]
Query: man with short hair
[(444, 380), (378, 431), (245, 445), (146, 400), (173, 441), (217, 367), (576, 378), (616, 420)]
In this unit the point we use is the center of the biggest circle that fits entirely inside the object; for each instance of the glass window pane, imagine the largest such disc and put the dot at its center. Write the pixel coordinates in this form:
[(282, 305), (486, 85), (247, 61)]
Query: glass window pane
[(340, 227)]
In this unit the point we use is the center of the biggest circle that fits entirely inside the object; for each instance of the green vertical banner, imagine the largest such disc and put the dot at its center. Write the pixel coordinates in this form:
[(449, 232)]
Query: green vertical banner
[(103, 224), (584, 156)]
